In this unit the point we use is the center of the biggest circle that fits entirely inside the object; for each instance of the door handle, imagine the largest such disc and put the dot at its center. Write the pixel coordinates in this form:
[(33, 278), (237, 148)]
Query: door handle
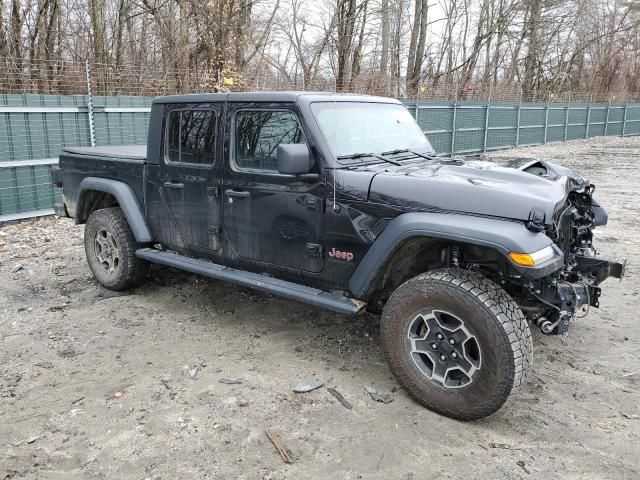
[(174, 185), (237, 193)]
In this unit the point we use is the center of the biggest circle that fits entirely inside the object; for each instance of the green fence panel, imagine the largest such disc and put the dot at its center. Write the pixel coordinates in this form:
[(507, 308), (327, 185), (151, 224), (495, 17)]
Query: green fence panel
[(502, 138), (26, 188), (441, 142), (470, 116), (503, 116), (435, 118), (557, 114), (578, 114), (576, 131), (555, 133), (632, 125), (121, 128), (616, 113), (32, 134)]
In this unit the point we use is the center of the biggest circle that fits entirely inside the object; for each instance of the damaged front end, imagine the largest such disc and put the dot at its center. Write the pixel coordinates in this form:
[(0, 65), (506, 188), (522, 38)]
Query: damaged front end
[(552, 302)]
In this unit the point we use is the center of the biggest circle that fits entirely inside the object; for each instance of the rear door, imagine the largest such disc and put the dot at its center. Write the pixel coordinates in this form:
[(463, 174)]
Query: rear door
[(188, 177), (269, 217)]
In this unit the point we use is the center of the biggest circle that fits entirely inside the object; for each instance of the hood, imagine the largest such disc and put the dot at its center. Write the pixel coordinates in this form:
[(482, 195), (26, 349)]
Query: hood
[(511, 190)]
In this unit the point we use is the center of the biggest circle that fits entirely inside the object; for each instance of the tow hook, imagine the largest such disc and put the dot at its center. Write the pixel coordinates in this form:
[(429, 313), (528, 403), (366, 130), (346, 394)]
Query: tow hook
[(546, 325), (561, 324), (575, 300)]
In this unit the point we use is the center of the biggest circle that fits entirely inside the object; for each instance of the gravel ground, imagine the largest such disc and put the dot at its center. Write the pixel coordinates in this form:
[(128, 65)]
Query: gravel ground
[(95, 384)]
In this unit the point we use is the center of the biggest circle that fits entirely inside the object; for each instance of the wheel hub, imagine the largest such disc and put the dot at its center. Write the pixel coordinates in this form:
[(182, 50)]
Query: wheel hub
[(443, 349), (106, 250)]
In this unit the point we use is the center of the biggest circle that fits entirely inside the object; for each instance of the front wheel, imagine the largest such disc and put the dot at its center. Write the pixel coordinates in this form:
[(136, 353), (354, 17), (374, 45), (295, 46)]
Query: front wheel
[(457, 342), (110, 248)]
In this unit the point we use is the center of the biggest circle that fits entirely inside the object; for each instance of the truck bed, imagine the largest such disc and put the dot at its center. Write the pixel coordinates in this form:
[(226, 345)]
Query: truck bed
[(125, 164)]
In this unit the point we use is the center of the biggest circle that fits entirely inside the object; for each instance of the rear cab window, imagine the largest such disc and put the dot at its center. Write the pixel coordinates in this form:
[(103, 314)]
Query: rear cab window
[(190, 137)]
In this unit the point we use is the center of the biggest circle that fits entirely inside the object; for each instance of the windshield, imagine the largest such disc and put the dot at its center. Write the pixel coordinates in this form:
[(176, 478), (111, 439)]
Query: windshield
[(354, 127)]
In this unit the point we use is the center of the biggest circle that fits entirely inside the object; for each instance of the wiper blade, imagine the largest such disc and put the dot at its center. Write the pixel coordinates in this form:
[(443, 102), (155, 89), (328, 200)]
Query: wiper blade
[(408, 150), (371, 155), (354, 156), (396, 151)]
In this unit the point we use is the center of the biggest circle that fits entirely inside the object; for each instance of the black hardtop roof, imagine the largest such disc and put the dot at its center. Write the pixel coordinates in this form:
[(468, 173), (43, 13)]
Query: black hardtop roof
[(272, 97)]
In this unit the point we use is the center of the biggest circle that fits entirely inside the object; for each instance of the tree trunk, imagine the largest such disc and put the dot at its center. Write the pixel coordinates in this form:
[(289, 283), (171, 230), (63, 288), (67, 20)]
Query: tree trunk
[(182, 61), (417, 47), (4, 43), (384, 51), (242, 24), (483, 32), (356, 63), (345, 31), (123, 13), (97, 13), (17, 21), (531, 60)]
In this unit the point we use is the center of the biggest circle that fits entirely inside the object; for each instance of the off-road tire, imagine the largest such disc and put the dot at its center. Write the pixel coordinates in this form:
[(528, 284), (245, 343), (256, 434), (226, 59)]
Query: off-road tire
[(130, 270), (489, 312)]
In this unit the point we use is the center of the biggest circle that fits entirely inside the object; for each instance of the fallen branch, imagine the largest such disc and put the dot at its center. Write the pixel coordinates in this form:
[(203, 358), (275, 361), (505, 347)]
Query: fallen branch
[(279, 446)]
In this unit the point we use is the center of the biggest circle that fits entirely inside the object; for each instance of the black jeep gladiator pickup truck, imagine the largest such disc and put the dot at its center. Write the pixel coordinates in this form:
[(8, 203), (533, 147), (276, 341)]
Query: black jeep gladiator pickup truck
[(340, 201)]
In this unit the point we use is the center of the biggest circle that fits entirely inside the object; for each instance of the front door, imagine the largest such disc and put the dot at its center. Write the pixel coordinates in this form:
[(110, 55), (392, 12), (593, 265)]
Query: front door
[(269, 217), (188, 176)]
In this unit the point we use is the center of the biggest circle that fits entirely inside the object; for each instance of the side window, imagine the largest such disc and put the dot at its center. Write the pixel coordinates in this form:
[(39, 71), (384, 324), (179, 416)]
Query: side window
[(191, 136), (258, 134)]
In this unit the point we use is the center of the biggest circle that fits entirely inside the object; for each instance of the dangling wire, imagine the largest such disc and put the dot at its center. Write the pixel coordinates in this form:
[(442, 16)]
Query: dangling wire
[(335, 201), (335, 165)]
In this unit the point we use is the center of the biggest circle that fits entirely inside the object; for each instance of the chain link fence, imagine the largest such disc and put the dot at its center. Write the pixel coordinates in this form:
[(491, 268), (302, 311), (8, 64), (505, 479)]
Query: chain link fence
[(66, 77), (45, 106)]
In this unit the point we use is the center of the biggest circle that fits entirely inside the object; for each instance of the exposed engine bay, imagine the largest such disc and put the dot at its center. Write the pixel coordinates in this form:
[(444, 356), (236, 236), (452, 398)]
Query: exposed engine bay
[(553, 301)]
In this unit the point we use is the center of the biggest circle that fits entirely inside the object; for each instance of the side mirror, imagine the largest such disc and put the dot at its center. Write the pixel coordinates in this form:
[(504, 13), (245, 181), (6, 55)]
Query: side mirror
[(294, 158)]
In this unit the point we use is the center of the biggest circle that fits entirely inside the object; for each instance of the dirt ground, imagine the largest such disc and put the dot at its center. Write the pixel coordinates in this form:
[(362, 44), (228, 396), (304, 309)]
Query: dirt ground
[(95, 384)]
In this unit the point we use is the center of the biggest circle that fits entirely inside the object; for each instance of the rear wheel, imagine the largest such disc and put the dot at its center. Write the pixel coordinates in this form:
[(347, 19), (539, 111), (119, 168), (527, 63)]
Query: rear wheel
[(456, 342), (110, 248)]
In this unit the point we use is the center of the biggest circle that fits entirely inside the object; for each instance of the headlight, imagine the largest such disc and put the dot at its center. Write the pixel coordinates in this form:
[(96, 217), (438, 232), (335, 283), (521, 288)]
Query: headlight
[(532, 259)]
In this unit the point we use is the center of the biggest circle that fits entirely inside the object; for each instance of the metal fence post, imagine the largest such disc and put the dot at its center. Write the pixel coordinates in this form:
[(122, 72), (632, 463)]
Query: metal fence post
[(518, 121), (453, 126), (624, 118), (486, 122), (546, 119), (606, 120), (566, 118), (586, 133), (92, 128)]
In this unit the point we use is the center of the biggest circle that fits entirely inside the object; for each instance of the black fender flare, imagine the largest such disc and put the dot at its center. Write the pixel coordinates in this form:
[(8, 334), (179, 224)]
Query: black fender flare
[(502, 235), (126, 200)]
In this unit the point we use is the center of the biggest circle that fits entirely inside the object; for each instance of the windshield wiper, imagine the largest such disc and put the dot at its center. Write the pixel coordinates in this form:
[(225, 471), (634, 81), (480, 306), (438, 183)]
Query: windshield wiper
[(371, 155), (407, 150)]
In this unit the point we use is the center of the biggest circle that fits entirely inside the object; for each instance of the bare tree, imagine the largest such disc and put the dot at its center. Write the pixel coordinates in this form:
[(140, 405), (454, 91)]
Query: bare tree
[(417, 46), (4, 42), (390, 47), (347, 11), (386, 37)]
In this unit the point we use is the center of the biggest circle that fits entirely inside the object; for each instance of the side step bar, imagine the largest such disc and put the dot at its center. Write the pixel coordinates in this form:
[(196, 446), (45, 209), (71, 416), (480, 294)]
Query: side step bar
[(264, 283)]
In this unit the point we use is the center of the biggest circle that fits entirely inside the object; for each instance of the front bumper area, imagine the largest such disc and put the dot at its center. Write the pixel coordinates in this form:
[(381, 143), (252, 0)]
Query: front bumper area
[(599, 269), (571, 295)]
